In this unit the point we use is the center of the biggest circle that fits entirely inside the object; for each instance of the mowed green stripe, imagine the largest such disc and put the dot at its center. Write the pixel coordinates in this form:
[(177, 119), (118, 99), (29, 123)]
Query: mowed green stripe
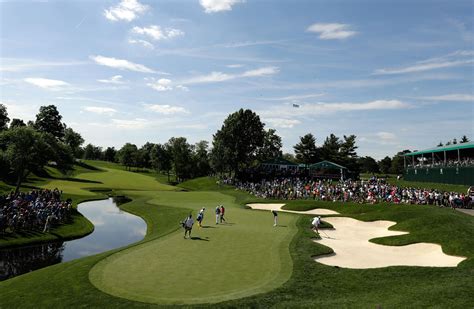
[(108, 178), (245, 257)]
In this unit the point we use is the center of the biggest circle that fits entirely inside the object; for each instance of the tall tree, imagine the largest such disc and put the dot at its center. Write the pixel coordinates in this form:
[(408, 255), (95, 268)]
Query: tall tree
[(440, 144), (455, 141), (368, 165), (330, 148), (27, 150), (92, 152), (161, 159), (181, 154), (127, 155), (385, 164), (348, 155), (240, 137), (17, 123), (146, 151), (74, 140), (3, 117), (49, 120), (306, 151), (464, 139), (201, 158), (397, 165), (110, 154), (220, 157), (271, 146)]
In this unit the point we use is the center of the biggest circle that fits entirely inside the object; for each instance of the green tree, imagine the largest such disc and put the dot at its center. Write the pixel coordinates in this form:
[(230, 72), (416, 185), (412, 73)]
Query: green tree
[(201, 159), (110, 154), (271, 146), (26, 150), (306, 151), (440, 144), (161, 159), (330, 149), (348, 155), (455, 141), (290, 157), (49, 120), (220, 157), (368, 165), (127, 155), (92, 152), (385, 164), (146, 151), (181, 157), (397, 165), (3, 118), (17, 123), (74, 140), (240, 137), (464, 139)]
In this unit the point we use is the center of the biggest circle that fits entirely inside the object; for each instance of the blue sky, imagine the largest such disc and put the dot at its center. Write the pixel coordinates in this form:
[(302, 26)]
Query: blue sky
[(398, 74)]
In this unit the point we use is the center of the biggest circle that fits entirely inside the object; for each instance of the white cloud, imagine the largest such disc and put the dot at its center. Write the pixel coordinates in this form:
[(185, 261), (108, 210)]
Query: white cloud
[(455, 59), (213, 6), (156, 33), (126, 10), (116, 79), (261, 72), (456, 97), (100, 110), (281, 122), (166, 109), (386, 136), (215, 77), (50, 84), (234, 66), (294, 97), (134, 124), (121, 64), (20, 64), (163, 84), (144, 43), (331, 31)]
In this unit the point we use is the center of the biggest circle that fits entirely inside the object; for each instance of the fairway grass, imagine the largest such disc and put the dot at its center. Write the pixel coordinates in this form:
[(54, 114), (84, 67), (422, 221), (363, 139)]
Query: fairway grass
[(244, 257)]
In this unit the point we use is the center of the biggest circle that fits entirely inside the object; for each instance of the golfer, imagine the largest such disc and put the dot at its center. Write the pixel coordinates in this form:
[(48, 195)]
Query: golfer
[(222, 213), (275, 218), (188, 225), (316, 223), (200, 216), (218, 214)]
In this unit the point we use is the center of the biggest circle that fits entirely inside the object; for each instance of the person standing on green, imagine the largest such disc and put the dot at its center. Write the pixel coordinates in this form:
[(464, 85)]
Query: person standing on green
[(188, 225), (275, 218)]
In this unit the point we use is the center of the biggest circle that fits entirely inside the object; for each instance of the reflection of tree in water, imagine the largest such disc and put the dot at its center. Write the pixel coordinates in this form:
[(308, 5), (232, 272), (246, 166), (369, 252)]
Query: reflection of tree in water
[(17, 261)]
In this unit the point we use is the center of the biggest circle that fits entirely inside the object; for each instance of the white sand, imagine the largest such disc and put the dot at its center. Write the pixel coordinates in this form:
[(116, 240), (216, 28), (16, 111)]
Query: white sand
[(350, 241), (466, 211), (317, 211)]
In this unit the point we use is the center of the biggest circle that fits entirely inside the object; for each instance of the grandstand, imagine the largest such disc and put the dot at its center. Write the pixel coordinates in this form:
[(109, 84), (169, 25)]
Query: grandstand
[(453, 164)]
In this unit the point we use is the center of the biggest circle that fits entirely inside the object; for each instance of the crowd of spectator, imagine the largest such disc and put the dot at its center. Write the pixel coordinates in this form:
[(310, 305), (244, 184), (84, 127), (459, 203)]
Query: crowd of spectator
[(35, 210), (449, 163), (371, 191)]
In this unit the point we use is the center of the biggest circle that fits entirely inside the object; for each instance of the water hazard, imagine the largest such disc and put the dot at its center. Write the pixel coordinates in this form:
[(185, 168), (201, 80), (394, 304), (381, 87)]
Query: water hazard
[(113, 228)]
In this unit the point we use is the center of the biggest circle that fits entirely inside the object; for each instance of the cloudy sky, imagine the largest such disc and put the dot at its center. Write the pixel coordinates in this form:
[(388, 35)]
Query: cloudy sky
[(398, 74)]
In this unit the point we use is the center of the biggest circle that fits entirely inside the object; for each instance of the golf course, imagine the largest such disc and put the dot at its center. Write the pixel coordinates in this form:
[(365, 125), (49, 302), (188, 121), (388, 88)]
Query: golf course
[(245, 261)]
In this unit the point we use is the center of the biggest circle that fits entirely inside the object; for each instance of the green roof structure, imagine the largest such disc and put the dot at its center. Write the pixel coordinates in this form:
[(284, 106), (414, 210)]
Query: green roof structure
[(327, 164), (442, 149)]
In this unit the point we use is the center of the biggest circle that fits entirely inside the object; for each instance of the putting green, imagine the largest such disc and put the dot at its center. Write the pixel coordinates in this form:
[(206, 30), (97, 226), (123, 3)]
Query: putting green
[(247, 256)]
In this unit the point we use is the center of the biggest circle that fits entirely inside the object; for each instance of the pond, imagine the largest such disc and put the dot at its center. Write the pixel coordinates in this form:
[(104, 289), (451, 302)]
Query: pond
[(113, 228)]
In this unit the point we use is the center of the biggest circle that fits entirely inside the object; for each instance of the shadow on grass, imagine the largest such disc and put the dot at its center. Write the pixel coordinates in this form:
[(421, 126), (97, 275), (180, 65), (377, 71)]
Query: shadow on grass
[(199, 238)]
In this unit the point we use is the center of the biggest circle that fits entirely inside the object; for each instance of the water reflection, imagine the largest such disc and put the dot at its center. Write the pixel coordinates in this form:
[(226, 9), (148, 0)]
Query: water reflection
[(113, 229)]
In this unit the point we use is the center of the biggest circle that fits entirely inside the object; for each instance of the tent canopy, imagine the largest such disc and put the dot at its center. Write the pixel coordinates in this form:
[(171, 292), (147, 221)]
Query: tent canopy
[(279, 161)]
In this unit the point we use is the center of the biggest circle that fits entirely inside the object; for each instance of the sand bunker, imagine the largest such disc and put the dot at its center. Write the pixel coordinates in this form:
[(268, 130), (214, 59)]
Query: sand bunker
[(317, 211), (350, 241)]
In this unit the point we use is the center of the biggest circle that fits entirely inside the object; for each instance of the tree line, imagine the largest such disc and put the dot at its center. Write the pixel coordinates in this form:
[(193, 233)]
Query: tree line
[(242, 142)]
